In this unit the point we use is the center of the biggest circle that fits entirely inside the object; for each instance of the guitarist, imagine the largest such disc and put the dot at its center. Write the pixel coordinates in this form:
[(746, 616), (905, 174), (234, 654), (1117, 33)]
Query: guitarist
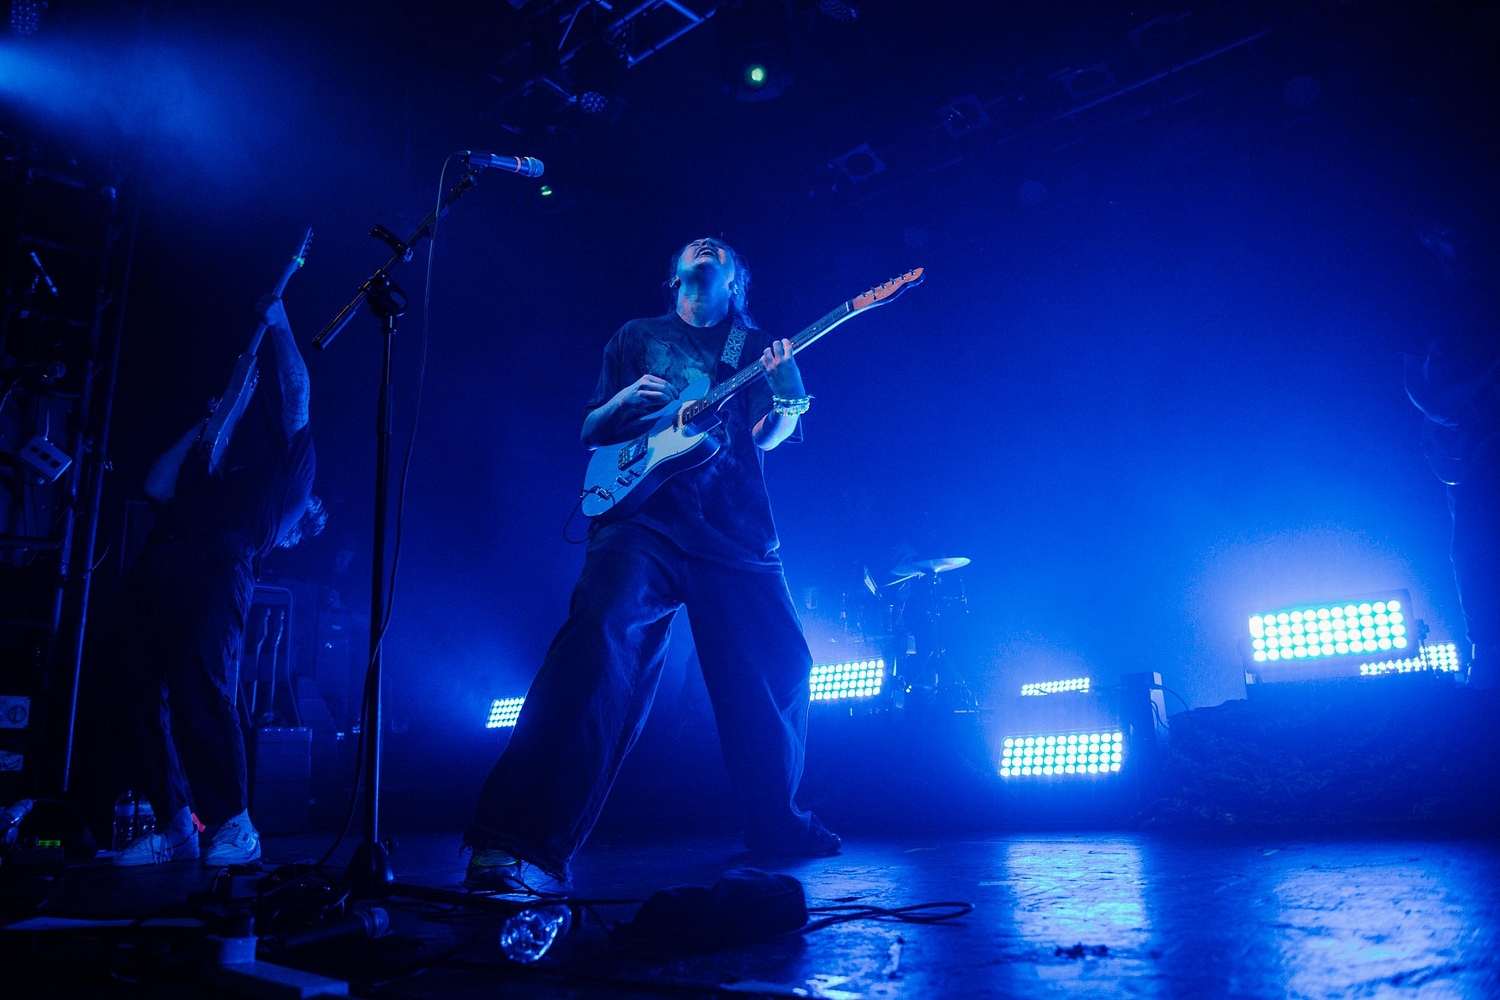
[(704, 540), (1457, 389), (180, 617)]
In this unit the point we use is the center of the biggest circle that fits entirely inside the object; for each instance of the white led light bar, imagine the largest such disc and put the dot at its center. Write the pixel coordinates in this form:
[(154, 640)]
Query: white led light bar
[(1333, 630), (1063, 755), (1441, 657), (1055, 687), (504, 712), (841, 681)]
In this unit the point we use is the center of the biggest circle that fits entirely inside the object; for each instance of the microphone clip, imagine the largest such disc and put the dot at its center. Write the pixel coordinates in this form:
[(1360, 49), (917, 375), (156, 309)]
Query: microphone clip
[(393, 241)]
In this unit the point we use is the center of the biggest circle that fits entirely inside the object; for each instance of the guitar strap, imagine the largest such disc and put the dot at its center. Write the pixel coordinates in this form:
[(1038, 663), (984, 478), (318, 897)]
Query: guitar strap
[(734, 346)]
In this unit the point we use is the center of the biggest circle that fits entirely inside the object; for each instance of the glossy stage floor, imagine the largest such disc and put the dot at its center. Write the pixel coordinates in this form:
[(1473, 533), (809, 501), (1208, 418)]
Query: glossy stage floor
[(1096, 914)]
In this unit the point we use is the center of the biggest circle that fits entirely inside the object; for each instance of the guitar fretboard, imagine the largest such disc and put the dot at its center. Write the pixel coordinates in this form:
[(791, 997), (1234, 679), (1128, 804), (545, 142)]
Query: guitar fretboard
[(755, 370)]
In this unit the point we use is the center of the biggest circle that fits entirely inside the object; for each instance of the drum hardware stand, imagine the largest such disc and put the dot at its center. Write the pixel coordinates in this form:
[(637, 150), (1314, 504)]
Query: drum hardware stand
[(935, 666)]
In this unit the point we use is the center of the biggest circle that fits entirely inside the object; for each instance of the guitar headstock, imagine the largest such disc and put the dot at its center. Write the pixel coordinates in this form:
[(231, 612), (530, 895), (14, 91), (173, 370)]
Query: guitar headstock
[(300, 257), (881, 294)]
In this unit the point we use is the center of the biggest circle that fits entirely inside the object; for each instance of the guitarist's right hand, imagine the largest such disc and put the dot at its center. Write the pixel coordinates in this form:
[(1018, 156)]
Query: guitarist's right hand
[(625, 415), (646, 394)]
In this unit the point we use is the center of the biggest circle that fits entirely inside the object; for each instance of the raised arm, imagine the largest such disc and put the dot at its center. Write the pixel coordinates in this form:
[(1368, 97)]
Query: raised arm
[(161, 481), (291, 370)]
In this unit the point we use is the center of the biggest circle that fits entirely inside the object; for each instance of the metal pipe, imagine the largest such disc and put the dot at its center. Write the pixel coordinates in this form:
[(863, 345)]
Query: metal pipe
[(1165, 73), (635, 60), (691, 15)]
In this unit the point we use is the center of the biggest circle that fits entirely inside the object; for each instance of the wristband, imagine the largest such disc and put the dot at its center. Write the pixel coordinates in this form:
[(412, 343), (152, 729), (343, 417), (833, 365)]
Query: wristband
[(791, 407)]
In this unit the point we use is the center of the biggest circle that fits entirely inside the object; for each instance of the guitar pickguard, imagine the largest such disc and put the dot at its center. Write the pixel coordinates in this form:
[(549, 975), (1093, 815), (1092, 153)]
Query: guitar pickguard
[(634, 451)]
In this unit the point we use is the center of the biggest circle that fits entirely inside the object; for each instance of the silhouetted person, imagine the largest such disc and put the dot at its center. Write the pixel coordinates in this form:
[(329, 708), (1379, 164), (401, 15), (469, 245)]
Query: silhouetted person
[(1457, 388), (180, 618), (704, 540)]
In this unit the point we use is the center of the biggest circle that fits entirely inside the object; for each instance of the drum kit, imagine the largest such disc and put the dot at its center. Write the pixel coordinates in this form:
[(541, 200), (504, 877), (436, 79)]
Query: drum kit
[(906, 619)]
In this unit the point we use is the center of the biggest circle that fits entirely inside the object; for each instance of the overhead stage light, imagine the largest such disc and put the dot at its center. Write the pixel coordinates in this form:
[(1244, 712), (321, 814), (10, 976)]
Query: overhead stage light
[(1063, 755), (860, 163), (504, 712), (26, 16), (597, 71), (849, 680), (1080, 684), (755, 48), (837, 10)]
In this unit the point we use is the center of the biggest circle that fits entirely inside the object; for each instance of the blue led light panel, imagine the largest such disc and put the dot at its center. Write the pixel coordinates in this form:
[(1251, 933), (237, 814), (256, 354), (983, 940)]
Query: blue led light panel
[(1063, 755), (1080, 684), (504, 712), (1320, 631), (1441, 657), (854, 679)]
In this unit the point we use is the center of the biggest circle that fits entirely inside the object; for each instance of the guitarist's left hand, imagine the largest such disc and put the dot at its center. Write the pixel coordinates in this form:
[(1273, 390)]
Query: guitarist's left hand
[(270, 310), (781, 370)]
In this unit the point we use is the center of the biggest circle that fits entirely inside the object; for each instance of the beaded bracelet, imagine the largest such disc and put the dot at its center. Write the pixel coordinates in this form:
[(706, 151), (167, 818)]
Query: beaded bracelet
[(793, 407)]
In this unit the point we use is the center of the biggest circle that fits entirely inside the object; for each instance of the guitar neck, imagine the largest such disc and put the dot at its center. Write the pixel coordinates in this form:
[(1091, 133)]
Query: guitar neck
[(755, 370)]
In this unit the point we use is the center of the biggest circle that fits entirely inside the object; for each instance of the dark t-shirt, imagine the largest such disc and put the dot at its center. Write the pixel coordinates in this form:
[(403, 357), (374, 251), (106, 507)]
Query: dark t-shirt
[(254, 500), (719, 510)]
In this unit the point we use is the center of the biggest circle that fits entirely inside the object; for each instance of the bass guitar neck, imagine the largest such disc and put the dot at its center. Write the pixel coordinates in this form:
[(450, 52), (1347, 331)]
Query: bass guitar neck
[(246, 375)]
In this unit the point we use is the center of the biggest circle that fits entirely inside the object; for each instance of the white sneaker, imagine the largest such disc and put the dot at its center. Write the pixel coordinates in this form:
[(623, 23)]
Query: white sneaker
[(179, 842), (236, 843)]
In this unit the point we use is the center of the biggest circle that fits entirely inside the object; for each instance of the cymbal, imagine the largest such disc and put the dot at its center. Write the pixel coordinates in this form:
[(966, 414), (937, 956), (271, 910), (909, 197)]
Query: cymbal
[(921, 567)]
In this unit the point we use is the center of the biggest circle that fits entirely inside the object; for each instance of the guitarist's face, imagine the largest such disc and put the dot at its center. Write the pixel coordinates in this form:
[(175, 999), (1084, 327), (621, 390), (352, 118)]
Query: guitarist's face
[(706, 263)]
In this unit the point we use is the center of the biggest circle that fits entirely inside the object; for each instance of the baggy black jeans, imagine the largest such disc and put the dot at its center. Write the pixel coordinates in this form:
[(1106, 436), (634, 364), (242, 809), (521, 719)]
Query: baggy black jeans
[(1475, 505), (178, 626), (590, 699)]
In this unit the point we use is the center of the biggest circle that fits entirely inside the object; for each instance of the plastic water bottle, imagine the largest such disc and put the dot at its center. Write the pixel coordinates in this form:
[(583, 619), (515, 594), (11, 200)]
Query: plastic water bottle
[(124, 828), (10, 820), (145, 818), (526, 936)]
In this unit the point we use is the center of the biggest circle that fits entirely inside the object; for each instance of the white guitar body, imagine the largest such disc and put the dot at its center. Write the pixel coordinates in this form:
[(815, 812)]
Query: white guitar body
[(621, 476)]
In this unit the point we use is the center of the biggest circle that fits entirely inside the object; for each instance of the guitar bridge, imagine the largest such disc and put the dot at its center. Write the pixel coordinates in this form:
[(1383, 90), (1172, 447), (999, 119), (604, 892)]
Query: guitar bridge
[(633, 452)]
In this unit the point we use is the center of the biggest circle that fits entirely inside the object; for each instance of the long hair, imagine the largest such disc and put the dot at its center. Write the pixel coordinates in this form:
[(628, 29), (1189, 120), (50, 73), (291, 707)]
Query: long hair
[(739, 299), (312, 522)]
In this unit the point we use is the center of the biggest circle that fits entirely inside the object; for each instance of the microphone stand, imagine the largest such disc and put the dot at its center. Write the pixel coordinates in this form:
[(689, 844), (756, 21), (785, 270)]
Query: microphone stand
[(369, 872)]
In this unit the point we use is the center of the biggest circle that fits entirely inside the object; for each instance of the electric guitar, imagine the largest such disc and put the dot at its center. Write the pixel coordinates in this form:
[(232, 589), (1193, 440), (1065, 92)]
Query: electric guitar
[(621, 477), (246, 376)]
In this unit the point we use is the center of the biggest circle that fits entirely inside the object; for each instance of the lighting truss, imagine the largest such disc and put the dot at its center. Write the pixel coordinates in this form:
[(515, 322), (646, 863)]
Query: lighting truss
[(635, 32), (848, 680), (1063, 755), (1080, 684), (1441, 657), (1324, 631), (504, 712)]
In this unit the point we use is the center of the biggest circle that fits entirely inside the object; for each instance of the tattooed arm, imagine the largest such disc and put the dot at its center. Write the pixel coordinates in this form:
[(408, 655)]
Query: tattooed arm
[(290, 368)]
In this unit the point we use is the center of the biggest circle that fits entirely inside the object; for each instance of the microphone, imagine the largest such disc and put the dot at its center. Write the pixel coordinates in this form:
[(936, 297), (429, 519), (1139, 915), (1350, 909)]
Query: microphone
[(371, 923), (526, 166)]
